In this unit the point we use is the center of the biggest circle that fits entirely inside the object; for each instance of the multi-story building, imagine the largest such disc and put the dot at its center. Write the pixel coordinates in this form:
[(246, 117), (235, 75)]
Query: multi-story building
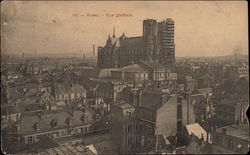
[(156, 43), (231, 112), (188, 82), (149, 115), (243, 72), (123, 122), (144, 71), (69, 92), (53, 123), (232, 139)]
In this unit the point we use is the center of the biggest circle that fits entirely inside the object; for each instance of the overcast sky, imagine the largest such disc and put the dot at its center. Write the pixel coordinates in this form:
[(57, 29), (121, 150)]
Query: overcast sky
[(201, 28)]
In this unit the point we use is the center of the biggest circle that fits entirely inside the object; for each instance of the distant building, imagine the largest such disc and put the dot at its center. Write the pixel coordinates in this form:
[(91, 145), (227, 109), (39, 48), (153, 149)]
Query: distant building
[(107, 90), (232, 139), (243, 72), (72, 92), (157, 43), (188, 82)]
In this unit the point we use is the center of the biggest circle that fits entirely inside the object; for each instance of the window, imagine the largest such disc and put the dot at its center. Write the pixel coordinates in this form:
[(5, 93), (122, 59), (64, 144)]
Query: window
[(179, 111), (129, 141), (230, 144), (78, 95), (218, 139), (72, 96), (38, 137), (37, 126), (86, 129), (30, 139), (239, 147), (70, 121), (54, 123), (129, 114), (55, 134), (130, 128)]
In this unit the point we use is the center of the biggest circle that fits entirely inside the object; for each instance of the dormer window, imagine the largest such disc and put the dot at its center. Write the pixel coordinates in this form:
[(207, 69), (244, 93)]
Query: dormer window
[(54, 123), (83, 118), (70, 121), (37, 126)]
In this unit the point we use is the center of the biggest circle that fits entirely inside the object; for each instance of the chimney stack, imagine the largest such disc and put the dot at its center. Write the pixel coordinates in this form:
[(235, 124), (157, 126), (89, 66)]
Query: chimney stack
[(188, 104), (139, 97)]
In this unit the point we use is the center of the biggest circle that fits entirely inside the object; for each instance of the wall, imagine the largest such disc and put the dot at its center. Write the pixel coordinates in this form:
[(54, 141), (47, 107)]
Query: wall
[(166, 119)]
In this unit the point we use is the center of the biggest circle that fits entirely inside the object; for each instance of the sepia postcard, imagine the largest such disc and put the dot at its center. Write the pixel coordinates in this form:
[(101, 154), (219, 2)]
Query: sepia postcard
[(124, 77)]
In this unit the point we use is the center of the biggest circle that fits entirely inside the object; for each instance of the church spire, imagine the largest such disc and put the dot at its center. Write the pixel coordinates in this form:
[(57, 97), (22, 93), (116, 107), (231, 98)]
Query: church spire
[(113, 31)]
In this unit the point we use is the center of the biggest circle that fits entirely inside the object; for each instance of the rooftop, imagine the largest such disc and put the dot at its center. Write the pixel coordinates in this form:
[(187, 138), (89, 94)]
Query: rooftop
[(133, 68), (240, 131), (154, 100), (44, 119)]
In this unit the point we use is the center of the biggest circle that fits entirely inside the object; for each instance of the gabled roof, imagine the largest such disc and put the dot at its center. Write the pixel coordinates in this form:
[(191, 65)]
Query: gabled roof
[(197, 130)]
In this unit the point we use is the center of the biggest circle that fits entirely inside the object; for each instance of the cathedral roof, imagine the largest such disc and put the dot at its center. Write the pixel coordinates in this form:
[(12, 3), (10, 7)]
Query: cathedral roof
[(132, 42)]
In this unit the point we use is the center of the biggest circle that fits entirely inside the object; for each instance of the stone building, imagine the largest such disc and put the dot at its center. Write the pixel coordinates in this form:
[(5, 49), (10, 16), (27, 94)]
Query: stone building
[(156, 43)]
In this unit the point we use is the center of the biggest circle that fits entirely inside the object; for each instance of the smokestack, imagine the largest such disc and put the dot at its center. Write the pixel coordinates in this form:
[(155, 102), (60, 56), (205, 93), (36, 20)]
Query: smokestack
[(94, 50), (113, 32), (188, 103)]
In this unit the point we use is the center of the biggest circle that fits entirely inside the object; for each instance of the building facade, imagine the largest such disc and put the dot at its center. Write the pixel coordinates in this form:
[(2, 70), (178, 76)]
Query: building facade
[(232, 139), (156, 43)]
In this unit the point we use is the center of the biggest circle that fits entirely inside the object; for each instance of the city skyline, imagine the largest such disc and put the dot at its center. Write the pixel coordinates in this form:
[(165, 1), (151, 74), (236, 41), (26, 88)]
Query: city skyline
[(52, 27)]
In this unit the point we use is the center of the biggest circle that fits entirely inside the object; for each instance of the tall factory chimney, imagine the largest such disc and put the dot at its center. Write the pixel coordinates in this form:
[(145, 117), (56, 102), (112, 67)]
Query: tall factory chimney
[(93, 50)]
